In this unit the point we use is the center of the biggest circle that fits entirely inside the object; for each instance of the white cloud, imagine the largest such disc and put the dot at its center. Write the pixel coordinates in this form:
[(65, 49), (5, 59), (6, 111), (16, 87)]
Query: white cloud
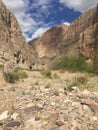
[(66, 23), (39, 32), (19, 8), (14, 5), (29, 22), (34, 22), (79, 5)]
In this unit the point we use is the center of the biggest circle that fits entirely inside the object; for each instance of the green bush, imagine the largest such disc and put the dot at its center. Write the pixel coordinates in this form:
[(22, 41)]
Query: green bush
[(95, 65), (72, 63), (11, 77)]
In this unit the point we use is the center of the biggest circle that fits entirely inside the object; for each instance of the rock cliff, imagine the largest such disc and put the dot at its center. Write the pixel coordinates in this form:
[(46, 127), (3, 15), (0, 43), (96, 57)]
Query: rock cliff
[(80, 38), (82, 35), (12, 42), (49, 44)]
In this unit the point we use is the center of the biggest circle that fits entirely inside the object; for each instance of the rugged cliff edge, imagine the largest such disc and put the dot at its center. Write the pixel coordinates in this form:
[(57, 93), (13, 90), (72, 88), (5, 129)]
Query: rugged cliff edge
[(80, 38), (12, 43)]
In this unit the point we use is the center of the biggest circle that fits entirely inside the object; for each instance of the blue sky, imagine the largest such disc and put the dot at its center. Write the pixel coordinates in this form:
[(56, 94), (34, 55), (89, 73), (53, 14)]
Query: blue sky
[(36, 16)]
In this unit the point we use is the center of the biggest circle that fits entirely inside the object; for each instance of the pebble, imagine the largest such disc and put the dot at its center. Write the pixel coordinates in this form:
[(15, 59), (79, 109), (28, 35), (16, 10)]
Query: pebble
[(59, 123), (50, 109), (13, 124)]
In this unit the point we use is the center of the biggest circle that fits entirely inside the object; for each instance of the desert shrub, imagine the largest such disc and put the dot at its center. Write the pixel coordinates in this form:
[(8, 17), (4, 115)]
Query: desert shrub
[(11, 77), (72, 63), (80, 82), (47, 74), (21, 72), (15, 75)]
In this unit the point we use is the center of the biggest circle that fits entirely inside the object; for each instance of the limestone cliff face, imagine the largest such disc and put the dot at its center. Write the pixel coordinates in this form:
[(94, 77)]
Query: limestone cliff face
[(82, 35), (12, 42), (50, 43), (80, 38)]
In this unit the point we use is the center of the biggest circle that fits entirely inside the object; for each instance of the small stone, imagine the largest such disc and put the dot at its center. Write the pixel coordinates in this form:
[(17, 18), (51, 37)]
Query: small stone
[(94, 118), (76, 104), (4, 115), (87, 102), (91, 104), (37, 118), (40, 106), (56, 93), (96, 127), (59, 123), (85, 107), (1, 123), (13, 124), (75, 88), (52, 103), (14, 116), (5, 129)]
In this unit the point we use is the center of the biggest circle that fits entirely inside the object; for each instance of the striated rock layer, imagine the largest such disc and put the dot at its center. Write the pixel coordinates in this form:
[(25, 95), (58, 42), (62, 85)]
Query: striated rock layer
[(80, 38), (12, 42)]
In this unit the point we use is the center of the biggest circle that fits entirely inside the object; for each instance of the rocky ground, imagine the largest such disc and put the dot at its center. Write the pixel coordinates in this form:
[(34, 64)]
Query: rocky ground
[(59, 101)]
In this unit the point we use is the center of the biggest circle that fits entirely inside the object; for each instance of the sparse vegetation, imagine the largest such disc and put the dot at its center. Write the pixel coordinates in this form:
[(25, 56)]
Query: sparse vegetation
[(32, 85), (73, 64), (12, 77), (47, 74), (21, 72), (81, 82)]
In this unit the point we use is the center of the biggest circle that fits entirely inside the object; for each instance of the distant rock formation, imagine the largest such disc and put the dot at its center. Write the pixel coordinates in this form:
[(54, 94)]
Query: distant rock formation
[(50, 43), (12, 43), (80, 38)]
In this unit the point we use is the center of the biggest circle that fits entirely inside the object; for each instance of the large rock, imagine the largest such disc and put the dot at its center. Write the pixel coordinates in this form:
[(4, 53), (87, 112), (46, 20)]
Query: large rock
[(80, 38), (12, 43)]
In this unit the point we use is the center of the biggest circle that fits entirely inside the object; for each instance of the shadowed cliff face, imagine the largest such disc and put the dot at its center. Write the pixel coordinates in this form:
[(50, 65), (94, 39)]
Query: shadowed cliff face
[(80, 38), (12, 42)]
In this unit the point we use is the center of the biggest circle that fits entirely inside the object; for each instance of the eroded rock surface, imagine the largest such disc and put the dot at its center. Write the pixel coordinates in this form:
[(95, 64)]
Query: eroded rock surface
[(12, 43)]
